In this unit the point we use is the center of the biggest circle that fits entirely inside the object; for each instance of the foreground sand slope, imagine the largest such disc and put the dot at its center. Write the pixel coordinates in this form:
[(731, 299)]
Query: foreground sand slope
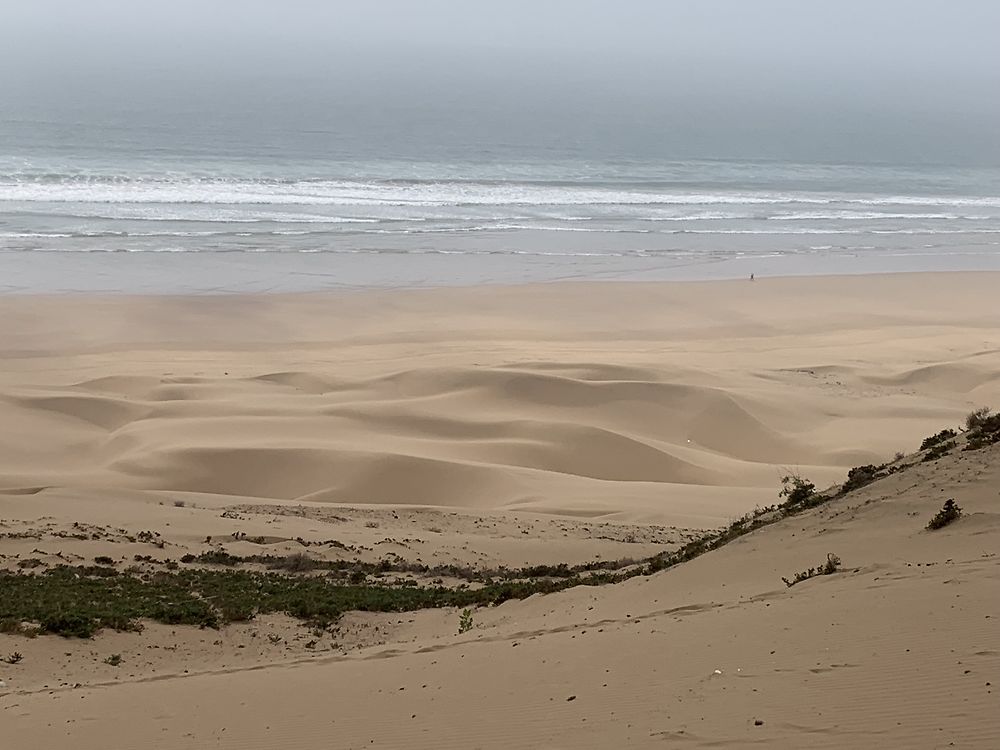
[(676, 403), (901, 648)]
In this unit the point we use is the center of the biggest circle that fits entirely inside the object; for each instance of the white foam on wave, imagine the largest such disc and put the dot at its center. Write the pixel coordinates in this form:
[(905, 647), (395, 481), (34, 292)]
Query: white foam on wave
[(860, 216), (342, 193), (700, 216), (32, 235), (194, 212), (503, 227), (817, 230), (113, 234), (222, 192), (506, 252), (922, 200)]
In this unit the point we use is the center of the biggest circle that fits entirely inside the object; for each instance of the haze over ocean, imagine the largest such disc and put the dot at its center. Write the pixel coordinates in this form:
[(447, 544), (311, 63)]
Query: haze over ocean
[(379, 149)]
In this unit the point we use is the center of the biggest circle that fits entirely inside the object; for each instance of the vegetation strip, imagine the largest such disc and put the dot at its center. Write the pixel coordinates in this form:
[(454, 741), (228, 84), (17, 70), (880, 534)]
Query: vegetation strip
[(80, 600), (357, 571)]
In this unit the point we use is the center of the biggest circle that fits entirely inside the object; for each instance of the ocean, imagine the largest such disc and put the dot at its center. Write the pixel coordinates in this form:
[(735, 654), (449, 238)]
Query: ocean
[(139, 205)]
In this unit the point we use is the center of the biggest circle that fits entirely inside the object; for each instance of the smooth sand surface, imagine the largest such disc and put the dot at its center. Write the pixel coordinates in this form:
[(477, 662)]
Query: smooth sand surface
[(513, 426)]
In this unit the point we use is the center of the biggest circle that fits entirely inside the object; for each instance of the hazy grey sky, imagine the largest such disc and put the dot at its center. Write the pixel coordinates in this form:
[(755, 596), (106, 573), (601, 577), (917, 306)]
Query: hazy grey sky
[(891, 35), (702, 67)]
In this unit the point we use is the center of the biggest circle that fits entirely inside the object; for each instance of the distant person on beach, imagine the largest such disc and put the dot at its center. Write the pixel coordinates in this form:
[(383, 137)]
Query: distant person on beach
[(751, 277)]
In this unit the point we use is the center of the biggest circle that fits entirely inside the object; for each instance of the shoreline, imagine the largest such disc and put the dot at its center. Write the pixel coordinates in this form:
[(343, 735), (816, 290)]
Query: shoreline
[(499, 286), (167, 273)]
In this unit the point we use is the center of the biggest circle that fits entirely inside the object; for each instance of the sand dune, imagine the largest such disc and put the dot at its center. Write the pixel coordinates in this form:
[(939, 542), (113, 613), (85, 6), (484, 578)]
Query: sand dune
[(898, 649), (576, 423), (530, 392)]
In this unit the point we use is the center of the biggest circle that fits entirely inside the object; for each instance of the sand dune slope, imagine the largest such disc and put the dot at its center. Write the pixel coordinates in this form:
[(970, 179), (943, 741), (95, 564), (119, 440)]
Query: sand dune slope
[(900, 648)]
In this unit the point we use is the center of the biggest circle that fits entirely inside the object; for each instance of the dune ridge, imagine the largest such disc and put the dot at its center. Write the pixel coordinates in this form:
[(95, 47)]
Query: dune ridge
[(413, 435)]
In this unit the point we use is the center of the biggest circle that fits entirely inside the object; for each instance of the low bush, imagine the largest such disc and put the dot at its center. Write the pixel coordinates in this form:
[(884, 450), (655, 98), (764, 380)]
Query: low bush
[(949, 512), (298, 562), (796, 490), (69, 624), (937, 438), (976, 418), (14, 626), (985, 433), (831, 565), (859, 476), (991, 424), (213, 557), (980, 440), (939, 450)]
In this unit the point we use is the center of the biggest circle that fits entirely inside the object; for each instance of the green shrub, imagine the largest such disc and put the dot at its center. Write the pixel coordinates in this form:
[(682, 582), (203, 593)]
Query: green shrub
[(465, 621), (939, 450), (985, 432), (991, 424), (949, 512), (940, 437), (14, 626), (241, 611), (981, 440), (796, 491), (562, 570), (70, 625), (298, 562), (976, 418), (859, 476), (831, 565), (212, 557)]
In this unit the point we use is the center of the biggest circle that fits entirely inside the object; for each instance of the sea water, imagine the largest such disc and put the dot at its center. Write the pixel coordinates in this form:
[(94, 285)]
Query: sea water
[(141, 202)]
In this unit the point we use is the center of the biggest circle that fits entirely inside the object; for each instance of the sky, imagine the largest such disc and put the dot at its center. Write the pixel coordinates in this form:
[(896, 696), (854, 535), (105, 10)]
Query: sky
[(843, 80)]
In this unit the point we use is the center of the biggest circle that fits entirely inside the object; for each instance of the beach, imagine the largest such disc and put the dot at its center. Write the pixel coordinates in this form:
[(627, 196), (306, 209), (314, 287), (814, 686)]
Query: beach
[(522, 376), (506, 426)]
